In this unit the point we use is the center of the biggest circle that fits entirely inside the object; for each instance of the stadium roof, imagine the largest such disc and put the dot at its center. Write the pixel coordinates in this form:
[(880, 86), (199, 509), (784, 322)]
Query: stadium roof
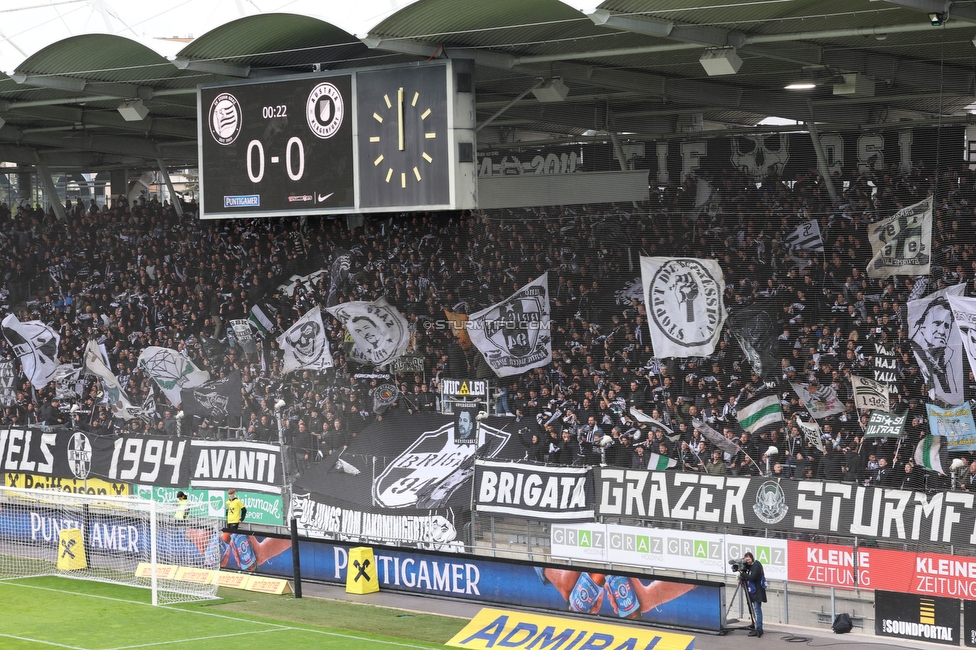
[(632, 67)]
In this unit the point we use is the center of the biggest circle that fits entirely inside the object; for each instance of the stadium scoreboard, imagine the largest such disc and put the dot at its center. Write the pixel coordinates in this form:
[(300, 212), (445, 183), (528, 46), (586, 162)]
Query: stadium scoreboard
[(364, 140)]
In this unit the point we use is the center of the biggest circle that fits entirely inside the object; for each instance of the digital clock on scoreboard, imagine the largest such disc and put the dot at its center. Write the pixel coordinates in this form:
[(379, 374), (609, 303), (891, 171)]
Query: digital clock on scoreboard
[(365, 140)]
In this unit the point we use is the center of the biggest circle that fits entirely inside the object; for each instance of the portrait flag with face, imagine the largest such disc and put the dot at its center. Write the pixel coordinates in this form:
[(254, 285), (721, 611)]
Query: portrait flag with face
[(964, 315), (304, 346), (937, 346), (378, 330), (36, 345)]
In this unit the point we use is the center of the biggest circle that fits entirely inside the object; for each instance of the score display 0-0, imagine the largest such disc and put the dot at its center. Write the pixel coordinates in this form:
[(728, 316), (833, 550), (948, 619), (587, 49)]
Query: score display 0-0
[(309, 144)]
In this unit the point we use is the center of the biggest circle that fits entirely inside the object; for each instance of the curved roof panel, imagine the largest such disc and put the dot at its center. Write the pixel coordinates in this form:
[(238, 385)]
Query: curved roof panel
[(102, 57)]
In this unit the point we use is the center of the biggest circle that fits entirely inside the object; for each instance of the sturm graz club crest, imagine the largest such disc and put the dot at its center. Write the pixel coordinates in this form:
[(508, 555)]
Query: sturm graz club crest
[(79, 455), (225, 118), (770, 504), (685, 302)]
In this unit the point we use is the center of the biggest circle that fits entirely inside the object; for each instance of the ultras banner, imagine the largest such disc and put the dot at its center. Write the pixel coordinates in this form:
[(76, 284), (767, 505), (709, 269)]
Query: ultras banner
[(533, 491), (787, 506), (150, 460)]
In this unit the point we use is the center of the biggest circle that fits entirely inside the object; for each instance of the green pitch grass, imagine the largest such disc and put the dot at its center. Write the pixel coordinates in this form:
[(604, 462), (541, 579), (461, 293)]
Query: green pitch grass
[(82, 615)]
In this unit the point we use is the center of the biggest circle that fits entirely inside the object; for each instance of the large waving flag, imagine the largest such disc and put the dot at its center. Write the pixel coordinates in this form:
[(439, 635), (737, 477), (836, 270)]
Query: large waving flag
[(116, 397), (514, 335), (762, 411), (171, 371), (685, 310), (219, 400), (304, 345), (380, 332), (36, 345), (929, 453), (902, 243)]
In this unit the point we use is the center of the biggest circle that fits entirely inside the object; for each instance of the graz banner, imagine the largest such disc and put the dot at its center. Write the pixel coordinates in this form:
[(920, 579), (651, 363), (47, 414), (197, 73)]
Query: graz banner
[(533, 491), (685, 311), (955, 424), (787, 506), (402, 479), (885, 425), (225, 464), (665, 548), (923, 618)]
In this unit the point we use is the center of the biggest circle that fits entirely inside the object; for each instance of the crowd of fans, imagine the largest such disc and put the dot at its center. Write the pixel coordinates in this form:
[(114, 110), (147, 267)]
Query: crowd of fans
[(136, 275)]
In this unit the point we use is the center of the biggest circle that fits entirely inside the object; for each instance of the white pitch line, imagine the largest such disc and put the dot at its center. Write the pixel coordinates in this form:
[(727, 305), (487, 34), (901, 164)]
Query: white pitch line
[(28, 640), (199, 638), (225, 616)]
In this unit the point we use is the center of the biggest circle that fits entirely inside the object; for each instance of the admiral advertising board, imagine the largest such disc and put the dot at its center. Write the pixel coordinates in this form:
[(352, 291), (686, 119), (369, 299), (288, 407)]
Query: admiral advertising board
[(787, 506)]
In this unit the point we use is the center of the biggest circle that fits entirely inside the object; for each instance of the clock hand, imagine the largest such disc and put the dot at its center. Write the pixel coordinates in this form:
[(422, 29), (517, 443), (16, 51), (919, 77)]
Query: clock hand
[(400, 116)]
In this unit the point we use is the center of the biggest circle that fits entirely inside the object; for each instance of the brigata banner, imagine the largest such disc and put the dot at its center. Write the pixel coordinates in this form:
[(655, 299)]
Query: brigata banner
[(534, 491), (787, 506), (923, 618), (665, 548)]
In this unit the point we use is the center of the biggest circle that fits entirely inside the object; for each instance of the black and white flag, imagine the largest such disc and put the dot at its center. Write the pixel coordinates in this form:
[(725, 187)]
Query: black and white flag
[(304, 345), (807, 237), (821, 401), (902, 243), (964, 314), (812, 433), (218, 401), (384, 396), (885, 363), (379, 331), (937, 345), (171, 371), (514, 335), (338, 275), (8, 394), (870, 394), (114, 395), (754, 327), (36, 345), (685, 310), (68, 384), (244, 337)]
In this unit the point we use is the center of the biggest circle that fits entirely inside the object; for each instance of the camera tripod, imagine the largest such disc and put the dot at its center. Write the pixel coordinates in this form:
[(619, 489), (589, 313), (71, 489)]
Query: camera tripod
[(741, 588)]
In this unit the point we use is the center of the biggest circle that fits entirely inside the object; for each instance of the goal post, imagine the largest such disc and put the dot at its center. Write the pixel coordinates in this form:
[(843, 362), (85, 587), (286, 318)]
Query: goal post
[(121, 540)]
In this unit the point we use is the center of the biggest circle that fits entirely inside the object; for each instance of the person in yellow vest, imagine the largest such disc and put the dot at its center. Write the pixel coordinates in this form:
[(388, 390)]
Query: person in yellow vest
[(182, 506), (235, 510)]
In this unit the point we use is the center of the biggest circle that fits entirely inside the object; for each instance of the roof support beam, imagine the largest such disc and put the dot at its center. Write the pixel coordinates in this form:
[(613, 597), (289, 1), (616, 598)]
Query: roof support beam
[(213, 67), (958, 10)]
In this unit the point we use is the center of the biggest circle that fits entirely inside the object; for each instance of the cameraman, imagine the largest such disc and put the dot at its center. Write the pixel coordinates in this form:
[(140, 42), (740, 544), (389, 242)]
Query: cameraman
[(755, 579)]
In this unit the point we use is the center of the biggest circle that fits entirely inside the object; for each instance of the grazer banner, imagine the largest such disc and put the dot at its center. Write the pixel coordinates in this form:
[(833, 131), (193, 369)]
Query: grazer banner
[(922, 618), (665, 548), (533, 491), (787, 506), (657, 600)]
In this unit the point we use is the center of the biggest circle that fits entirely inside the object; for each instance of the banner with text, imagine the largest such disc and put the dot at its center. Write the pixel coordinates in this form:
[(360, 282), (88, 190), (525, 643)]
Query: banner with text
[(533, 491), (787, 506)]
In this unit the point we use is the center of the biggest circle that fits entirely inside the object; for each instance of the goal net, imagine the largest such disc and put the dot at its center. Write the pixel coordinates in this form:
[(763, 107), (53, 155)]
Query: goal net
[(122, 540)]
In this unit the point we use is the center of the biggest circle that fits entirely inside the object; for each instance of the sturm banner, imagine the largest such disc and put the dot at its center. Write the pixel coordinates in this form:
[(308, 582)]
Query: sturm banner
[(787, 506), (533, 491)]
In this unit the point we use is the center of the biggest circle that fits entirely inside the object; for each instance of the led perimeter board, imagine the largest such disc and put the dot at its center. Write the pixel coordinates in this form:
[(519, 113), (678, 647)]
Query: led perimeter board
[(364, 140)]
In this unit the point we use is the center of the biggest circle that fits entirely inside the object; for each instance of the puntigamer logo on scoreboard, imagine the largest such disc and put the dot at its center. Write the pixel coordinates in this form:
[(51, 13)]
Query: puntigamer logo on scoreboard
[(243, 201)]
